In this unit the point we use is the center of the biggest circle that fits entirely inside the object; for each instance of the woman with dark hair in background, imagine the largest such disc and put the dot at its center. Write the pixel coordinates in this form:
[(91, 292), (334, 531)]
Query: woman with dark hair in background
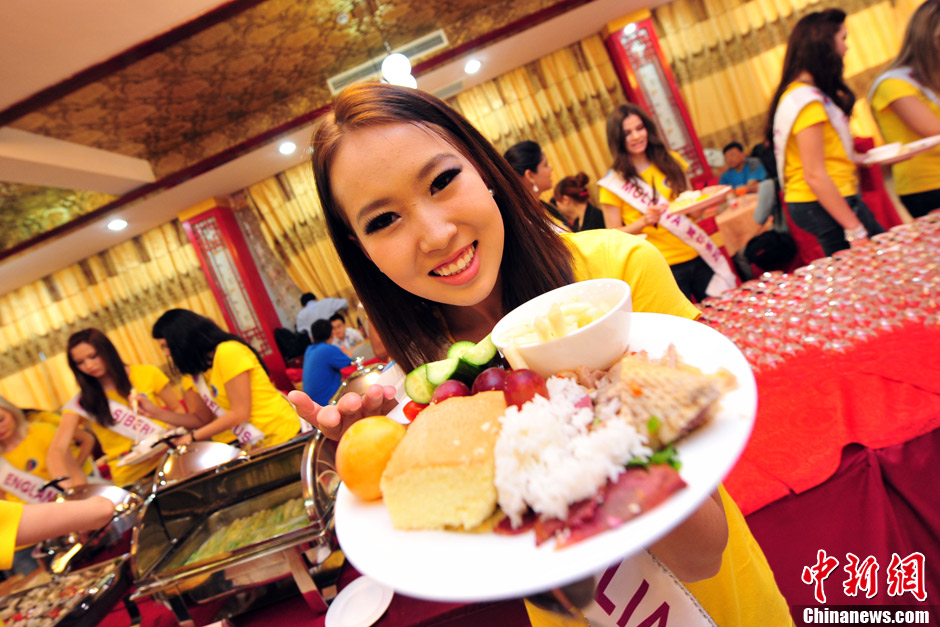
[(231, 390), (479, 244), (530, 163), (104, 403), (809, 128), (905, 101), (574, 203), (644, 178)]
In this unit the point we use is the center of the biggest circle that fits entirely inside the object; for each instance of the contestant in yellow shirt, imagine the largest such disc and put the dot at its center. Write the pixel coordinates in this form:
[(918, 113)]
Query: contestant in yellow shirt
[(443, 239), (235, 392), (657, 177), (808, 125), (906, 104), (103, 404)]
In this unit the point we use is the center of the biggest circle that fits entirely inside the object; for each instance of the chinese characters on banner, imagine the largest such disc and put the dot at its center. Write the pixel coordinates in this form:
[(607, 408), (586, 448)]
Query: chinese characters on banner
[(902, 575)]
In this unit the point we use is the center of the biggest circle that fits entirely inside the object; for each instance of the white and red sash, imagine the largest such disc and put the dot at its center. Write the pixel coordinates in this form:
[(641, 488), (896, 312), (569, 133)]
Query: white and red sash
[(24, 485), (640, 590), (247, 433), (126, 424), (640, 195), (789, 109)]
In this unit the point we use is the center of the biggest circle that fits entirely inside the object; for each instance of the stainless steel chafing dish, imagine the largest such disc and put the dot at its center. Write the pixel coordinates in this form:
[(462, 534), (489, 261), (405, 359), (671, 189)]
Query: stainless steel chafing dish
[(180, 518)]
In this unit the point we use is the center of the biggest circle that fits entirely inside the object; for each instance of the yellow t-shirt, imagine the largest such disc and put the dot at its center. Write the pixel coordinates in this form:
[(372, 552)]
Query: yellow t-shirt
[(920, 173), (613, 254), (839, 166), (743, 592), (146, 379), (672, 248), (10, 514), (31, 454), (226, 437), (271, 413)]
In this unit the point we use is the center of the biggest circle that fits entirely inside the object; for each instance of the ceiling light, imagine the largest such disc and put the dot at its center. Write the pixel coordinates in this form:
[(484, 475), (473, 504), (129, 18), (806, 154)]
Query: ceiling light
[(473, 66), (406, 80), (287, 148), (394, 66), (117, 224)]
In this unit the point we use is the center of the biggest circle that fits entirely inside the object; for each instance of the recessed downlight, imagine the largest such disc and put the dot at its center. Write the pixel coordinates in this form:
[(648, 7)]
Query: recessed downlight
[(472, 66), (117, 224), (287, 148)]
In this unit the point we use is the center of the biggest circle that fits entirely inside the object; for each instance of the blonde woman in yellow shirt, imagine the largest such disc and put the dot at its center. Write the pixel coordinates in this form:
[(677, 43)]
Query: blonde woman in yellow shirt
[(233, 390), (809, 128), (103, 404), (905, 101)]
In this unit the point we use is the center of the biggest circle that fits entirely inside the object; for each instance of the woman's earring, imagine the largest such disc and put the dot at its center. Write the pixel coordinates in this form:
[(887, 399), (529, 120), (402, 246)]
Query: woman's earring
[(492, 193), (535, 188)]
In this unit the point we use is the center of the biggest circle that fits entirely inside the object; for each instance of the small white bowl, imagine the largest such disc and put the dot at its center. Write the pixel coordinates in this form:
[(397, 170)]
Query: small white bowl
[(597, 345)]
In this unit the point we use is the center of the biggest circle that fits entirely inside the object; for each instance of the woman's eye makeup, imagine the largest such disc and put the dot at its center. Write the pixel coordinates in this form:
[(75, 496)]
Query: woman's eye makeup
[(379, 222), (443, 179)]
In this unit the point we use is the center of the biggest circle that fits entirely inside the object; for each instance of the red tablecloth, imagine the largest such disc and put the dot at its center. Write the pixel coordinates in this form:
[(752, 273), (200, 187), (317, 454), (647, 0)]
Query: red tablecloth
[(880, 393)]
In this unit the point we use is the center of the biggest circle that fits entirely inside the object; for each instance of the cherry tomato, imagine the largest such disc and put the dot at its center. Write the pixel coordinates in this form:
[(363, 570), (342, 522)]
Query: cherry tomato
[(412, 409)]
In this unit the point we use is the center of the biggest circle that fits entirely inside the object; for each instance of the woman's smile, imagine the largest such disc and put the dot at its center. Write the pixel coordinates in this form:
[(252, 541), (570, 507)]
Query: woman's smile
[(422, 213)]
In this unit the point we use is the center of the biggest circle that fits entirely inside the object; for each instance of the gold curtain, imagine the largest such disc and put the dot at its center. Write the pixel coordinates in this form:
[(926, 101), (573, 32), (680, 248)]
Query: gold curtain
[(294, 227), (727, 56), (560, 101), (121, 291)]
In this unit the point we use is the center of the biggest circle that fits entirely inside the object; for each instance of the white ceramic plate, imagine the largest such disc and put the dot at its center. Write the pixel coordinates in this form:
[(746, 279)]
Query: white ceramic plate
[(716, 194), (907, 151), (465, 567), (139, 454), (359, 604)]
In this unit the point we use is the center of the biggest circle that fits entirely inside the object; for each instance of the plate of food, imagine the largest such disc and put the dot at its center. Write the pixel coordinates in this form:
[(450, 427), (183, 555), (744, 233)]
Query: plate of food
[(694, 200), (895, 152), (445, 564)]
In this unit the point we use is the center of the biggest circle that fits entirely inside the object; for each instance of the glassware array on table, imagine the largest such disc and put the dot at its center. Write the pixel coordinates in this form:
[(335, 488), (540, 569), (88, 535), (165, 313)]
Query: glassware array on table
[(835, 302)]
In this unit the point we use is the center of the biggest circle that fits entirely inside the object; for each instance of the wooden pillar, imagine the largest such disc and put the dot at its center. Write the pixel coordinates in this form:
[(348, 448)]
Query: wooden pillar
[(648, 81), (235, 281)]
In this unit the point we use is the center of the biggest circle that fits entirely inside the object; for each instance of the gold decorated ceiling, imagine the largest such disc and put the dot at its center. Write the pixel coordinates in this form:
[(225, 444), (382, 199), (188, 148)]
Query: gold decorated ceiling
[(232, 81)]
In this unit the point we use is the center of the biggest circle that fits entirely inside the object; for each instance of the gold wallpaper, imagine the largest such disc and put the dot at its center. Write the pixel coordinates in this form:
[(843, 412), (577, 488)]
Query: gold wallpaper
[(260, 69), (29, 210)]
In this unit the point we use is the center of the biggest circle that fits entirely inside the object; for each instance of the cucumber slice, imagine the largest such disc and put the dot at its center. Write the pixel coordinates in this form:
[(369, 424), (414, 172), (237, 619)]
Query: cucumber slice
[(482, 355), (459, 348), (417, 386), (452, 368)]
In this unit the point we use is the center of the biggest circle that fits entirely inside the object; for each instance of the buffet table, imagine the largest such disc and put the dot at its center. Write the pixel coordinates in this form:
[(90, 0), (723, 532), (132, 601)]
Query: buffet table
[(842, 456)]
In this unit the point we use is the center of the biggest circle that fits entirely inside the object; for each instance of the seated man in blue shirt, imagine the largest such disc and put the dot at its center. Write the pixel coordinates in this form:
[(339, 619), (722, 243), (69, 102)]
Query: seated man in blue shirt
[(322, 364), (741, 171)]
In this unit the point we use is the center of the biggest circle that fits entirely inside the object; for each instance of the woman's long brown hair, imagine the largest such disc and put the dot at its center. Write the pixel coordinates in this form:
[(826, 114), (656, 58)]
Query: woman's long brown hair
[(656, 150), (92, 397), (812, 48), (535, 259)]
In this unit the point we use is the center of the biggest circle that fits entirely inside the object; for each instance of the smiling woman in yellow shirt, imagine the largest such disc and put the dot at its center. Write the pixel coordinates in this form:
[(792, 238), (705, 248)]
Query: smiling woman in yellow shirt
[(234, 391), (905, 102)]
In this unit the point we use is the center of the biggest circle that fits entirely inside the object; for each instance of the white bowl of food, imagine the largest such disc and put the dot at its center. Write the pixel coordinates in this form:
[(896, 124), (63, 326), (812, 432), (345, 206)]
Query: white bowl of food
[(581, 324)]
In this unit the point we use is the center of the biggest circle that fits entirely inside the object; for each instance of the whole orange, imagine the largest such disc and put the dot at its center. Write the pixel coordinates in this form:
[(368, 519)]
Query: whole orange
[(364, 451)]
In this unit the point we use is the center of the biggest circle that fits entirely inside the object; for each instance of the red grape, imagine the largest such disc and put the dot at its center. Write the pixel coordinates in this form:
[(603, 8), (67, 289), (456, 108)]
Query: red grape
[(451, 387), (522, 385), (490, 379)]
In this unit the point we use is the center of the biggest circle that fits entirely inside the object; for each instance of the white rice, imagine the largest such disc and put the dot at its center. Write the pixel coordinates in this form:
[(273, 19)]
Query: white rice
[(547, 457)]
